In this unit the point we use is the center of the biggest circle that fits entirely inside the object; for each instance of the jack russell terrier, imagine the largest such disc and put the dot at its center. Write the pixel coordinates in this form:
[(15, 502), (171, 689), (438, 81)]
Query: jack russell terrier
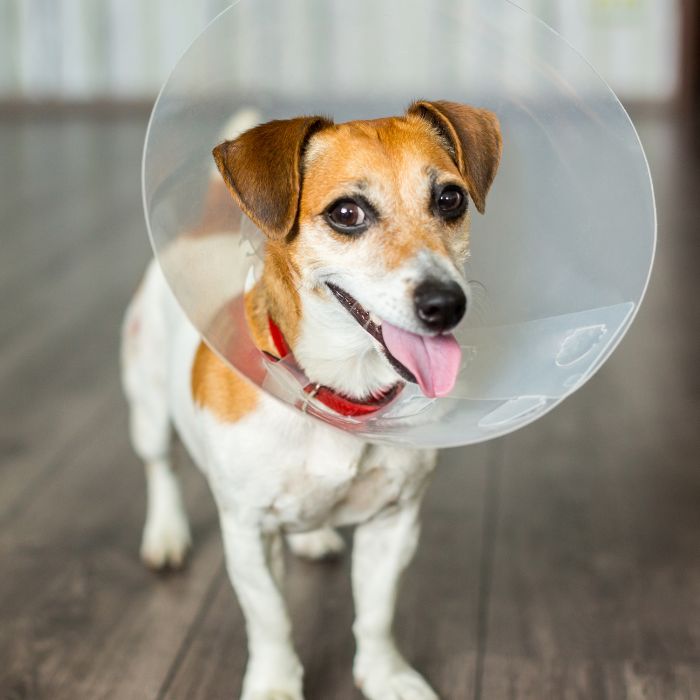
[(367, 229)]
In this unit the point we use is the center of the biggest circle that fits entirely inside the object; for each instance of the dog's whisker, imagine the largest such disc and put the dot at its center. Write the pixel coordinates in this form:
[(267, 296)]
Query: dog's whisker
[(480, 304)]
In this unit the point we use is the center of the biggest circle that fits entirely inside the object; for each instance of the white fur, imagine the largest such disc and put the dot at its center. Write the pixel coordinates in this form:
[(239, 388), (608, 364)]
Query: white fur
[(317, 544), (332, 347), (166, 534)]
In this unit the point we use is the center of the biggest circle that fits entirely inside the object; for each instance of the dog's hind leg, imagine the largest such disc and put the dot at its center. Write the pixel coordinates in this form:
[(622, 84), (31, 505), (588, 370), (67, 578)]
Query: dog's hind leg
[(166, 535), (254, 560)]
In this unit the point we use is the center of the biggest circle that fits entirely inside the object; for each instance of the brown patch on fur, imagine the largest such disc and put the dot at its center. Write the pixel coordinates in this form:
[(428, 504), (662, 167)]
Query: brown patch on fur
[(256, 316), (384, 153), (474, 138), (274, 296), (262, 169), (279, 279), (219, 388)]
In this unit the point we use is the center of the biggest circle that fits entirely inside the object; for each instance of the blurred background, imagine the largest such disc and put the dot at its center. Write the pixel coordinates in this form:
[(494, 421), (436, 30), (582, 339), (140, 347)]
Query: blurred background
[(83, 51), (562, 561), (87, 51)]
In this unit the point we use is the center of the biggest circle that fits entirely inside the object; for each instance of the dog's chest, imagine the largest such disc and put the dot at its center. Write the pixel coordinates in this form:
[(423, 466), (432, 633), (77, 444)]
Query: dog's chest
[(346, 487), (288, 471)]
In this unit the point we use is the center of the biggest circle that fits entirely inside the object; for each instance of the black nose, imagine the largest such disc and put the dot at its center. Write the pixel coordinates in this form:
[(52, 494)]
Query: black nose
[(439, 305)]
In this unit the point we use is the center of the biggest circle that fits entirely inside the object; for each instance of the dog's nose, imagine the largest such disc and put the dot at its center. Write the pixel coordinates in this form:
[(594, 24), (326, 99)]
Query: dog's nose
[(439, 305)]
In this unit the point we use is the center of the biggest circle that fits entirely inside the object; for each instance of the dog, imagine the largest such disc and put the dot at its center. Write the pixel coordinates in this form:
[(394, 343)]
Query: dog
[(367, 231)]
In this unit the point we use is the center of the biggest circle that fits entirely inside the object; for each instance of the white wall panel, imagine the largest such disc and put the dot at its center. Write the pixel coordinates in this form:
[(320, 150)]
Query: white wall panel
[(83, 49)]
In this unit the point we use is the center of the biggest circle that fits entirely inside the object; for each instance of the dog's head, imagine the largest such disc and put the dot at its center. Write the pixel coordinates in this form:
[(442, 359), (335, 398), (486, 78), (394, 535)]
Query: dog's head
[(368, 228)]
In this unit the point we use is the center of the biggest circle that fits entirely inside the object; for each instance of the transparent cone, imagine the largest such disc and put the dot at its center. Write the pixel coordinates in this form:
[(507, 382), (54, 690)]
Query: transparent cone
[(561, 258)]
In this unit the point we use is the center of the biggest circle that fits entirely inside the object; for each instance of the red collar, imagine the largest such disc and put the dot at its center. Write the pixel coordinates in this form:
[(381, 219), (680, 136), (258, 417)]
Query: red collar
[(337, 402)]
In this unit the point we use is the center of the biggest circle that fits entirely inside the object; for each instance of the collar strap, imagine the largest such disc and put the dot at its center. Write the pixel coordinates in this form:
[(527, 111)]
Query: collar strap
[(278, 339), (337, 402)]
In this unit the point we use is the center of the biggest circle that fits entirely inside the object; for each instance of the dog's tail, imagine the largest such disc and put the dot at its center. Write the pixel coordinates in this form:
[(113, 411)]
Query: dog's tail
[(244, 119)]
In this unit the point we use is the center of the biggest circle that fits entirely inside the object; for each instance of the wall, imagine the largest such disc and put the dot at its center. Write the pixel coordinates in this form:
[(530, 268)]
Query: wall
[(123, 49)]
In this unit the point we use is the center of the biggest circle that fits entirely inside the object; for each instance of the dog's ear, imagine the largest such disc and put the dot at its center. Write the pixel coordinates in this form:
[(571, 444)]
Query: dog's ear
[(473, 138), (262, 170)]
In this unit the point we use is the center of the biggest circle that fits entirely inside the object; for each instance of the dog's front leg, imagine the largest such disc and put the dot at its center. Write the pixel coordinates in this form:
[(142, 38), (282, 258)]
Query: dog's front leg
[(383, 548), (254, 563)]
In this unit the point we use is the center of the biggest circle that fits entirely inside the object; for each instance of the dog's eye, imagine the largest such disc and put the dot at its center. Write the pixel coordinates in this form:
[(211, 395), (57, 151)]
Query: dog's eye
[(450, 199), (346, 216), (451, 202)]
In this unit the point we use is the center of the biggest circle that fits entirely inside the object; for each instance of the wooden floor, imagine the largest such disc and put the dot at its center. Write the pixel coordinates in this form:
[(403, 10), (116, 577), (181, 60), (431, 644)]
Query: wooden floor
[(560, 562)]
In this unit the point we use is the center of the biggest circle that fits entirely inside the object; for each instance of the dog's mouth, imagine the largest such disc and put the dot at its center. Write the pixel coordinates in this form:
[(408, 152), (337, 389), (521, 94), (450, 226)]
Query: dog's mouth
[(363, 317), (432, 362)]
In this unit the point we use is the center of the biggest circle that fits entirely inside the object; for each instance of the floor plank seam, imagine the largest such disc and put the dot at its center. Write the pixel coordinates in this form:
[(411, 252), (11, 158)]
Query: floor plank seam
[(218, 580), (488, 544), (59, 461), (25, 341)]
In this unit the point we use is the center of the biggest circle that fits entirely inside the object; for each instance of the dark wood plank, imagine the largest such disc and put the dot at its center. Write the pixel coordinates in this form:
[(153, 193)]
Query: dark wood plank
[(72, 367), (58, 367), (596, 579), (561, 562), (81, 617), (567, 679), (437, 612), (48, 167), (55, 252)]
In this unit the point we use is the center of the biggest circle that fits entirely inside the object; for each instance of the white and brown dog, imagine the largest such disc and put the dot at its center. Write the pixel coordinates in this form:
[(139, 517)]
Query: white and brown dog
[(367, 227)]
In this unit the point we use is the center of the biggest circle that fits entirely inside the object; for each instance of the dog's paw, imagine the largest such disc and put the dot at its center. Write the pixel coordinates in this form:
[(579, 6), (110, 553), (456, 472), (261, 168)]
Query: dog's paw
[(273, 679), (271, 695), (317, 544), (166, 540), (385, 675)]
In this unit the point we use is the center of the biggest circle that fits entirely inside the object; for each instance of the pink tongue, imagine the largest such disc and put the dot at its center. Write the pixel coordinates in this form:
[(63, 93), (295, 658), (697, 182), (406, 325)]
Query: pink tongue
[(434, 361)]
